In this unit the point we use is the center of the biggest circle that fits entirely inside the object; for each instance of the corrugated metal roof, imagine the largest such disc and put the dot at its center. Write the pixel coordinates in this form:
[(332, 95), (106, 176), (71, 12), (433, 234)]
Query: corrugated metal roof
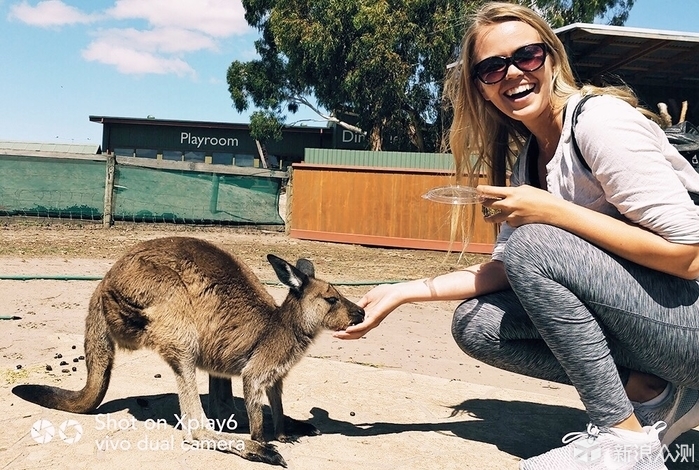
[(629, 31), (198, 124), (15, 146), (413, 160), (641, 57)]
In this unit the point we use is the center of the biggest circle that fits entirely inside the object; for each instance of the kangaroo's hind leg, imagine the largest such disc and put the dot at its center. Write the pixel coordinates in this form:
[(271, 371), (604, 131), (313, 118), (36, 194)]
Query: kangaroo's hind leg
[(221, 405)]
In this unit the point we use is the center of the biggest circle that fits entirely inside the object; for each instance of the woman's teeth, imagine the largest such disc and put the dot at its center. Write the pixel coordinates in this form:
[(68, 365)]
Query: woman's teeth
[(519, 91)]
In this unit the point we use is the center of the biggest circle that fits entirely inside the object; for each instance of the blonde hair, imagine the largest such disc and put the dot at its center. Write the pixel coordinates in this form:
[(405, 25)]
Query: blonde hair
[(482, 139)]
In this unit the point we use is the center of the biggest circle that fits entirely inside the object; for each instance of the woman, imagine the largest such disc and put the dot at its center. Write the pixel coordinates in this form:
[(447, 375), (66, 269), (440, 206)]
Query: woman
[(593, 279)]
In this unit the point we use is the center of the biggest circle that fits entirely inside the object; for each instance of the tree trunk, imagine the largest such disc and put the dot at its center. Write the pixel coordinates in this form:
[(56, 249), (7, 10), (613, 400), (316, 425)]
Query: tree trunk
[(375, 141), (261, 152), (415, 131)]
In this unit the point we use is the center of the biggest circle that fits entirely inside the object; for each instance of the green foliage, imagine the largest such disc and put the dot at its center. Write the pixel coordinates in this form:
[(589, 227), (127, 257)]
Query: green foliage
[(381, 60), (562, 12), (265, 126)]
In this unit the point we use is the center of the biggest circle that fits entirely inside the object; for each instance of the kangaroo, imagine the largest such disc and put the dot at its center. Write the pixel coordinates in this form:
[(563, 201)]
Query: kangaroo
[(201, 307)]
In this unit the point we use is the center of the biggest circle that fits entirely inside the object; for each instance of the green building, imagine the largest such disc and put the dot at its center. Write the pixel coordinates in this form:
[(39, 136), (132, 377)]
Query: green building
[(216, 142)]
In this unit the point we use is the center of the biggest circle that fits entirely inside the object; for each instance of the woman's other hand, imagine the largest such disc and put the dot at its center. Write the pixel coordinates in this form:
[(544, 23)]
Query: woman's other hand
[(520, 205)]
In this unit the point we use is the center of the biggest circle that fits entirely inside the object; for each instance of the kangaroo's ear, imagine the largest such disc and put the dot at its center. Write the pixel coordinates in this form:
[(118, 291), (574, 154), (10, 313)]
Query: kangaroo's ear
[(288, 274), (306, 266)]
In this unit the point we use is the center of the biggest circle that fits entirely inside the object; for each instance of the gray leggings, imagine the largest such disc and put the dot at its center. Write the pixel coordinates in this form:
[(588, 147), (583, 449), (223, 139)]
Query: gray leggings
[(580, 316)]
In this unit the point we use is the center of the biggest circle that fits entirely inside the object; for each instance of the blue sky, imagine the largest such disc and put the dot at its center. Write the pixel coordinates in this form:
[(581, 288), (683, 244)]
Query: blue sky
[(64, 60)]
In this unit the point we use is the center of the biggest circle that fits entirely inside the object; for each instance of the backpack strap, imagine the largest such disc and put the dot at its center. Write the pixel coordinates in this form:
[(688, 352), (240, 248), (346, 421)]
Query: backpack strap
[(578, 153), (573, 122)]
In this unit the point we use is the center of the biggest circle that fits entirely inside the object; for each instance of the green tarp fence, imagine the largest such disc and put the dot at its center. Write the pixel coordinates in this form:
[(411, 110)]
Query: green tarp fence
[(75, 189)]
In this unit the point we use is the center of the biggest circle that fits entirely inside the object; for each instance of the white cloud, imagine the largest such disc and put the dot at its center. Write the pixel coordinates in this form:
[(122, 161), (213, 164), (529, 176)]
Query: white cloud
[(218, 18), (161, 40), (49, 13), (174, 28), (131, 61)]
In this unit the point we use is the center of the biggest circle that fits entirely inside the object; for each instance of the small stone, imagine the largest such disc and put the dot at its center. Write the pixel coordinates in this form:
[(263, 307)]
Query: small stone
[(19, 366), (76, 359), (65, 371), (73, 347), (58, 356), (49, 368), (157, 376), (352, 413), (74, 369), (82, 358), (63, 363)]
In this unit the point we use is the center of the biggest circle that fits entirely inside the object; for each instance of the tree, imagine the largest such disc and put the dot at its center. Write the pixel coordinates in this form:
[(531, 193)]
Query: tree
[(265, 126), (382, 61), (562, 12)]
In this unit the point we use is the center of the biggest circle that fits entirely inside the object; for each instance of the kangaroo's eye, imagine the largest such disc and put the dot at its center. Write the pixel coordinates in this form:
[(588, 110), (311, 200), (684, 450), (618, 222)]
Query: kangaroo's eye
[(331, 300)]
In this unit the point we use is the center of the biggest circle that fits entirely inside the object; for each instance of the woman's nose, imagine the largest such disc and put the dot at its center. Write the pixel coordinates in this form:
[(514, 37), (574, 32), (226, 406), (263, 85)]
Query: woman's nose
[(513, 71)]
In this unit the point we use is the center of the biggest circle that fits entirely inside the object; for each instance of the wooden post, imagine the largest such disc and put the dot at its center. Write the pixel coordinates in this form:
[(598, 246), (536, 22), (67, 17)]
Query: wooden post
[(289, 200), (213, 202), (107, 220)]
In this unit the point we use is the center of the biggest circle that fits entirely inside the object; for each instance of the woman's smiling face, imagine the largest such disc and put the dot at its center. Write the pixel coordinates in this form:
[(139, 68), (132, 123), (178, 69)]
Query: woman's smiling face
[(523, 96)]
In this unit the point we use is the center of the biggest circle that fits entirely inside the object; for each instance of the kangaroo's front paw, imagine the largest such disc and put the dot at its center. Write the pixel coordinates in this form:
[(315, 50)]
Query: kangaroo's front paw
[(287, 439), (294, 427)]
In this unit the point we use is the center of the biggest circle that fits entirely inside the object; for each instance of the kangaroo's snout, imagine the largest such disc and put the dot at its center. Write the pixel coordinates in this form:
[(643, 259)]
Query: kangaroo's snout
[(351, 314), (356, 316)]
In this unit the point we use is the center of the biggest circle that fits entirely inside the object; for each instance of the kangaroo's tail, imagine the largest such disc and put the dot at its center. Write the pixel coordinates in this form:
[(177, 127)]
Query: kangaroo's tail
[(99, 357)]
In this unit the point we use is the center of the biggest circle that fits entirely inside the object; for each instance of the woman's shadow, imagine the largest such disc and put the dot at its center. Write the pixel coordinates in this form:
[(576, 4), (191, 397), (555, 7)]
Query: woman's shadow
[(521, 429)]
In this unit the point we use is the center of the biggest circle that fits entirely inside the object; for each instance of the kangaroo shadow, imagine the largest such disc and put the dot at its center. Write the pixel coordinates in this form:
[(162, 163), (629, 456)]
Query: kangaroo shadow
[(166, 408), (521, 429)]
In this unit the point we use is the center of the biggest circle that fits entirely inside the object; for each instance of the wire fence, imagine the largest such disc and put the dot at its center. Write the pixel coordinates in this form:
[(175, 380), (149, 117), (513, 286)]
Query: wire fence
[(78, 187)]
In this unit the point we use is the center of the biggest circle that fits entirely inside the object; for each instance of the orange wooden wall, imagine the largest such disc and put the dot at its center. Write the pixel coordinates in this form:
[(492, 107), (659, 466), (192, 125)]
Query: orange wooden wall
[(376, 206)]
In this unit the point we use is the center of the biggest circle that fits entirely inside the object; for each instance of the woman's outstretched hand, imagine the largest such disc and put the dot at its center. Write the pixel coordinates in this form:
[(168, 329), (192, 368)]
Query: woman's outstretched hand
[(377, 304), (461, 284)]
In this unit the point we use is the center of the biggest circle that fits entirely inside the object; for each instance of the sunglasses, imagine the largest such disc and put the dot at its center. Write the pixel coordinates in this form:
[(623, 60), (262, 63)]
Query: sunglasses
[(494, 69)]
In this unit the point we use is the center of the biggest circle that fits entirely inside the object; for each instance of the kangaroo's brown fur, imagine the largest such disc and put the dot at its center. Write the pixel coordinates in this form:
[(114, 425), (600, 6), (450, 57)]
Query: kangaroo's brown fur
[(200, 307)]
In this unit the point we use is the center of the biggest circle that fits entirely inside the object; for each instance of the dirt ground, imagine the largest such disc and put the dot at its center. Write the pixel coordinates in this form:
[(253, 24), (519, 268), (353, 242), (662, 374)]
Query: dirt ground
[(43, 265)]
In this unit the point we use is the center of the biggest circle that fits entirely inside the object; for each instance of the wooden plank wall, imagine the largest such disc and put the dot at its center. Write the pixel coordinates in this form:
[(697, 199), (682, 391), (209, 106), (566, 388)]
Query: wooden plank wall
[(376, 206)]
